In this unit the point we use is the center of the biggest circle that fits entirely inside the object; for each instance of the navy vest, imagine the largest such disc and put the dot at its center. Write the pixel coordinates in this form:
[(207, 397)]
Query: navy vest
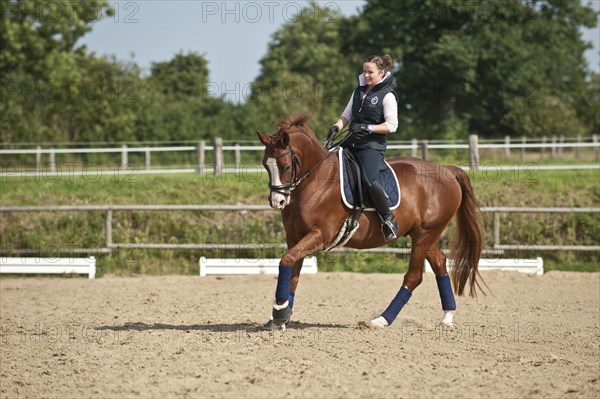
[(370, 110)]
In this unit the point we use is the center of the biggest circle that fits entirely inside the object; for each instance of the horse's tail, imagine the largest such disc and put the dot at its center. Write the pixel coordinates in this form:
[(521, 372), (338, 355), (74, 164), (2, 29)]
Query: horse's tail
[(469, 241)]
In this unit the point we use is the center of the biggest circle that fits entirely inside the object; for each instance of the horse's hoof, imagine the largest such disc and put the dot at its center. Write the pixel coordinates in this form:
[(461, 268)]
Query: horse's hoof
[(379, 322), (270, 325), (281, 314), (447, 320)]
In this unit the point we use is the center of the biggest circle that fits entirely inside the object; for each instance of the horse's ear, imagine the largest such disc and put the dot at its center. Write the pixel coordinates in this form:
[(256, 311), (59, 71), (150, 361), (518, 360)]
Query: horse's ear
[(263, 138), (285, 140)]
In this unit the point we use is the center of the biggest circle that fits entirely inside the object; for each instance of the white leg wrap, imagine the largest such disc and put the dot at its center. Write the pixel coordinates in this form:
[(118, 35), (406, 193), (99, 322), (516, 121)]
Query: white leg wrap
[(447, 319), (379, 322), (282, 306)]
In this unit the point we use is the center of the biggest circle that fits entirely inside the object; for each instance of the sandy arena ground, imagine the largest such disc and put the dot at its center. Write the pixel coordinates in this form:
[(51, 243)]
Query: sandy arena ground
[(198, 337)]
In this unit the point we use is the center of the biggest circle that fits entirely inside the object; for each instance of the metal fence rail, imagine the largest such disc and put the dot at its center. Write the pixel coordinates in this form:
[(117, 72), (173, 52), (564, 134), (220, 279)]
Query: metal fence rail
[(110, 246)]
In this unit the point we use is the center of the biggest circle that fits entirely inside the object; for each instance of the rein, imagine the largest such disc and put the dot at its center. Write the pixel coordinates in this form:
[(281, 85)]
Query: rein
[(287, 188)]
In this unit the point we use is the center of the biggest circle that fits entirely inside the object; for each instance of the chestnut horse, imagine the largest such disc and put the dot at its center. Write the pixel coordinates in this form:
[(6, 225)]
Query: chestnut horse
[(305, 186)]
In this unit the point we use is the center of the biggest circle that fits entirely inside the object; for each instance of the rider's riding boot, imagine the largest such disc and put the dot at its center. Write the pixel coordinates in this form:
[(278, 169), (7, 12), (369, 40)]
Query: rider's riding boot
[(380, 200)]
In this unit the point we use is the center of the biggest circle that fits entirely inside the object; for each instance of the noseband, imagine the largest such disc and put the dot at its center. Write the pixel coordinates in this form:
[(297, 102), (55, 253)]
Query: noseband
[(287, 188)]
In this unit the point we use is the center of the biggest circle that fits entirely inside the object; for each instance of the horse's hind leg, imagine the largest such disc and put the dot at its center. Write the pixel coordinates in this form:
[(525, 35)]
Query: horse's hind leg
[(437, 260), (412, 279)]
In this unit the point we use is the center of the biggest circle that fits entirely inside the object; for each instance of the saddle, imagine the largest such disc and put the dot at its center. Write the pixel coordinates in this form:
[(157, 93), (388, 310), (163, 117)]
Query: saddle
[(354, 194), (353, 190)]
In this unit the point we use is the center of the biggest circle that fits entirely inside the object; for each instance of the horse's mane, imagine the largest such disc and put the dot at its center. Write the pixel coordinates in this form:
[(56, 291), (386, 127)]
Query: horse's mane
[(293, 120)]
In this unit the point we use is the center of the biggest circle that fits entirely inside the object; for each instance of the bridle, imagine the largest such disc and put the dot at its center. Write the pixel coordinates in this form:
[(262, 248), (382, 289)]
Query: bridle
[(287, 188)]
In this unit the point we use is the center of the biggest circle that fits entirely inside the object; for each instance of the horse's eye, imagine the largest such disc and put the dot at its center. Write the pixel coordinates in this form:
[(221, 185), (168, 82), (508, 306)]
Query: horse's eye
[(287, 168)]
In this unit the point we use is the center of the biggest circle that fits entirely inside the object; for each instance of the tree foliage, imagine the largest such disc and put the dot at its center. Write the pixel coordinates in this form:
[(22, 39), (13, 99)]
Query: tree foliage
[(494, 68)]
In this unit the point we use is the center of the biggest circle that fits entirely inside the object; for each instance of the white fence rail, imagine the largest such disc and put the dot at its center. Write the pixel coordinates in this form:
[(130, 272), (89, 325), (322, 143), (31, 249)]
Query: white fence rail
[(250, 266), (531, 266), (555, 145), (38, 265)]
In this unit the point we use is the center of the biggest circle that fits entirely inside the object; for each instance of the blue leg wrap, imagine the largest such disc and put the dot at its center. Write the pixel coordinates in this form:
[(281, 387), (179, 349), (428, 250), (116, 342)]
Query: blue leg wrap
[(396, 305), (282, 293), (291, 299), (446, 294)]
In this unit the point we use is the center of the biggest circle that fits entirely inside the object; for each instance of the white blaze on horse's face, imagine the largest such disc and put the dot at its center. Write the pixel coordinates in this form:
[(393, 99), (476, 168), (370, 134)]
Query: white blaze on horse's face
[(277, 200)]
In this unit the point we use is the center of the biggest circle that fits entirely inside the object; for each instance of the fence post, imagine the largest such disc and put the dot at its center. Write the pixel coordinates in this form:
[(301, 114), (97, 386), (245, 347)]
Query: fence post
[(554, 146), (238, 156), (523, 141), (201, 159), (52, 160), (218, 143), (124, 154), (596, 148), (474, 152), (577, 154), (148, 158), (108, 229), (506, 147), (544, 139), (496, 227), (560, 149), (415, 147), (38, 159), (424, 150)]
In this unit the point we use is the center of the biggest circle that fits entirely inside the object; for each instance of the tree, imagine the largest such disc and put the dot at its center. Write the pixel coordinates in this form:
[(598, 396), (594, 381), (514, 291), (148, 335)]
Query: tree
[(478, 65), (304, 70)]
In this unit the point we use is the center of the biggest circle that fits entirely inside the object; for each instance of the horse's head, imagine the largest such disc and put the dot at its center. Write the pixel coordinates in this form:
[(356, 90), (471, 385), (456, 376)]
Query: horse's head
[(281, 164), (282, 158)]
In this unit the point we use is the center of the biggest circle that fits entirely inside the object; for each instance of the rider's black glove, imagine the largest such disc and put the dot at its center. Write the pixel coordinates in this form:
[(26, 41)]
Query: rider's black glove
[(333, 130), (360, 130)]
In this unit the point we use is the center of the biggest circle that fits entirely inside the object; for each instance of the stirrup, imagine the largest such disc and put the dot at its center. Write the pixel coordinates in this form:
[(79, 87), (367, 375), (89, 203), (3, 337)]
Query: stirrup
[(389, 228)]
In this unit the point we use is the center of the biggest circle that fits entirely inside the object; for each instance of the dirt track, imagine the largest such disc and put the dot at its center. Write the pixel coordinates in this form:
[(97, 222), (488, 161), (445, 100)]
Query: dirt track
[(197, 337)]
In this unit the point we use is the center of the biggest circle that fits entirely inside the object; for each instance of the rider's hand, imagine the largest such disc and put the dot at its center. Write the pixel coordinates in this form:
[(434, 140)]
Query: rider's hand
[(361, 130), (333, 130)]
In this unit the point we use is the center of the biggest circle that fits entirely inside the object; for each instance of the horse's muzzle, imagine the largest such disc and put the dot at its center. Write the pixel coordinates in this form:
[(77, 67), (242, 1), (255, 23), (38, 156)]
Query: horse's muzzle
[(278, 201)]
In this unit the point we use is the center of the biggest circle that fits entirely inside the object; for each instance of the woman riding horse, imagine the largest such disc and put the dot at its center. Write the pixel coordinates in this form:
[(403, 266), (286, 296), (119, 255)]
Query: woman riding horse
[(372, 113)]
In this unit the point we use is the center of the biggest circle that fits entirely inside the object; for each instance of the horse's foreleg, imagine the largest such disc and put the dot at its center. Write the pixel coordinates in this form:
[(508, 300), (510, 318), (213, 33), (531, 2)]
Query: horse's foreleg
[(294, 280), (289, 272), (437, 260), (412, 279)]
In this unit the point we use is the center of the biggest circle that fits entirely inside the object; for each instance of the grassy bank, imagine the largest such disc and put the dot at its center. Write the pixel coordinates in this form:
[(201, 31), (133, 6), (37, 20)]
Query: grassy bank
[(50, 233)]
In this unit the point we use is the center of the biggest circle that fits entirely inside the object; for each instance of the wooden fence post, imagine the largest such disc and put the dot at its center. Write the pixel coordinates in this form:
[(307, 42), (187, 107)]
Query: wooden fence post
[(218, 144), (52, 160), (507, 147), (415, 147), (38, 159), (596, 148), (474, 152), (543, 149), (424, 149), (148, 158), (238, 156), (560, 149), (554, 146), (577, 149), (124, 154), (523, 141), (201, 159)]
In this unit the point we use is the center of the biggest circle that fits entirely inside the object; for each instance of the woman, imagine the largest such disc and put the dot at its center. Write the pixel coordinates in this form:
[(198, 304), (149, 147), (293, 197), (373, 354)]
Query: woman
[(372, 113)]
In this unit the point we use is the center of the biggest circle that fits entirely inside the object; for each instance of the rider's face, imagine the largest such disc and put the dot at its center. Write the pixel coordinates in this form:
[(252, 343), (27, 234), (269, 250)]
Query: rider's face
[(373, 75)]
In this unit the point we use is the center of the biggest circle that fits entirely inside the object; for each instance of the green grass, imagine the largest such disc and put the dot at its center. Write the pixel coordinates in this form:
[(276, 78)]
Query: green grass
[(48, 232)]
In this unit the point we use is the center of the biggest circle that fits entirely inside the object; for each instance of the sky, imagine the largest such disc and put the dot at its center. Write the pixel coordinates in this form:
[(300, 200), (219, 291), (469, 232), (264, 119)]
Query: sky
[(232, 36)]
